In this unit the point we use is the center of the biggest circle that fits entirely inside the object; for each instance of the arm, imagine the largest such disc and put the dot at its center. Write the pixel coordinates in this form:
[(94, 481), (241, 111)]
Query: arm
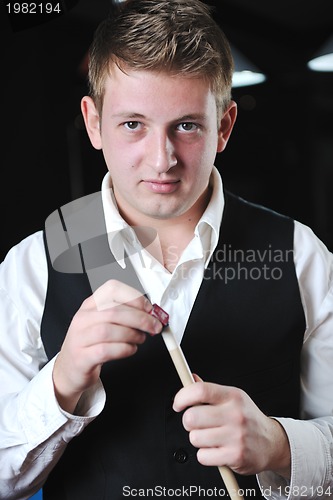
[(293, 458), (311, 440), (34, 424), (34, 430)]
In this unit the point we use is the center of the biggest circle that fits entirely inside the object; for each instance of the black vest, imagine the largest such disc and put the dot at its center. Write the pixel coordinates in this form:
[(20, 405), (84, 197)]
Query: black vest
[(246, 330)]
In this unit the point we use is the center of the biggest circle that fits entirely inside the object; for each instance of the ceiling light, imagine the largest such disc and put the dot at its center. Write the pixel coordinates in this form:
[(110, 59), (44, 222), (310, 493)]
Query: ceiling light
[(246, 73), (323, 60)]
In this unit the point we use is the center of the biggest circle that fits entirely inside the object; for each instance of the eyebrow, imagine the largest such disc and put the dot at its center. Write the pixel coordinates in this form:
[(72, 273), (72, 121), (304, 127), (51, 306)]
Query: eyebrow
[(139, 116), (128, 115), (192, 117)]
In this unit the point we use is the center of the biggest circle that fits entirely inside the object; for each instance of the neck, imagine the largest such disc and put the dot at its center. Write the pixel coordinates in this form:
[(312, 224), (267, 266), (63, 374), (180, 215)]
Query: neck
[(166, 239)]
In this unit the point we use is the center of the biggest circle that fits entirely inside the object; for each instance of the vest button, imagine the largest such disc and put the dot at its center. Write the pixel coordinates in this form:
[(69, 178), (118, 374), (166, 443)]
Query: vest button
[(181, 456)]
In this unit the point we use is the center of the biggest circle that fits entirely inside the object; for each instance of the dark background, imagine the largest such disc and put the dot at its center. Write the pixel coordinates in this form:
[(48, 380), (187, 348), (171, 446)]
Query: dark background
[(281, 150)]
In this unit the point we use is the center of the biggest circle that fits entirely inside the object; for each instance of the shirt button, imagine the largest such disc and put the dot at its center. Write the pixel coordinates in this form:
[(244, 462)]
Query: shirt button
[(173, 294), (181, 456)]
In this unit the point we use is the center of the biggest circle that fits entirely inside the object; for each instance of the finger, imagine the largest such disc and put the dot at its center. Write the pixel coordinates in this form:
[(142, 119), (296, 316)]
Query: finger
[(209, 438), (204, 416), (125, 316), (218, 456), (200, 393), (106, 333), (108, 351), (114, 292)]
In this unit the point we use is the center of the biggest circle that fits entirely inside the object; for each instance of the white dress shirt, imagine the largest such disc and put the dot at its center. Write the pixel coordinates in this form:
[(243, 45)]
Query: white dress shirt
[(34, 430)]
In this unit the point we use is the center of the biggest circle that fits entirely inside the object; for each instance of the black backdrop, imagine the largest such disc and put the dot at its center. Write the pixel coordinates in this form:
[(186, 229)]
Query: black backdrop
[(281, 150)]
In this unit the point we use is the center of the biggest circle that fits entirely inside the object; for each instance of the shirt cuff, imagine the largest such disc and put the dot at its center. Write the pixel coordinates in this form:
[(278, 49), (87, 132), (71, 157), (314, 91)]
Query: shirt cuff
[(41, 416), (311, 463)]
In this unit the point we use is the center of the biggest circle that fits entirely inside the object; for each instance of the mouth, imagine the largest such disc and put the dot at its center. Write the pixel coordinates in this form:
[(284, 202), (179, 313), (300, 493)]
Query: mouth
[(161, 187)]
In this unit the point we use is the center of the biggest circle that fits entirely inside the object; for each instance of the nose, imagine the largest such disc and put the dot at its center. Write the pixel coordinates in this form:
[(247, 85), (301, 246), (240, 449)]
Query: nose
[(160, 154)]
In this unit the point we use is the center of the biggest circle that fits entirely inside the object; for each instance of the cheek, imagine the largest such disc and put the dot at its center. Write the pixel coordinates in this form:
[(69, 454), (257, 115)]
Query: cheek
[(202, 156), (118, 152), (115, 156)]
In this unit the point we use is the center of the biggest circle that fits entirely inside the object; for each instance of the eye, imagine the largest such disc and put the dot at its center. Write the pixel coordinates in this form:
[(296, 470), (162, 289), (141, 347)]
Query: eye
[(132, 125), (187, 127)]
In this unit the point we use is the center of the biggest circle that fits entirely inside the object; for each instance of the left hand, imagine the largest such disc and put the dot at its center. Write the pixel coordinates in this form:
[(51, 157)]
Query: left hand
[(229, 429)]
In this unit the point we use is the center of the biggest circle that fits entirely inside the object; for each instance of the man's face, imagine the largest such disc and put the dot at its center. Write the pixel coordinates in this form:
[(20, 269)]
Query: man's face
[(159, 137)]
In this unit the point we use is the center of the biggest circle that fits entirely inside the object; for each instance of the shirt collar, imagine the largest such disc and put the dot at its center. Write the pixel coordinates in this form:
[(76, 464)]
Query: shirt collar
[(117, 227), (212, 216)]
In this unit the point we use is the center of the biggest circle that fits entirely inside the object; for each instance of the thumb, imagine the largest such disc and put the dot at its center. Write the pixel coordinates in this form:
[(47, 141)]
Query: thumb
[(197, 378)]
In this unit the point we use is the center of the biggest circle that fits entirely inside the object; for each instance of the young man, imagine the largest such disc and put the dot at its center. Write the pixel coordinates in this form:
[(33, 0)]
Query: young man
[(91, 406)]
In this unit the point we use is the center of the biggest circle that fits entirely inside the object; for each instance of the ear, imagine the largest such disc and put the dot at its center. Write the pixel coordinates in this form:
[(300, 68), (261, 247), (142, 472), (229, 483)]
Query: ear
[(226, 125), (92, 121)]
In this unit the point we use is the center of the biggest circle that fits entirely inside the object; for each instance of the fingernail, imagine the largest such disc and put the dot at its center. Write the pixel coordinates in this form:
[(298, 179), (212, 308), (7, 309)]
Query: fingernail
[(157, 327), (147, 306)]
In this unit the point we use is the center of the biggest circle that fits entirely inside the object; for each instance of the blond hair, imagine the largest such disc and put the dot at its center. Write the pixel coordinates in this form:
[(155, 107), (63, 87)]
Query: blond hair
[(179, 37)]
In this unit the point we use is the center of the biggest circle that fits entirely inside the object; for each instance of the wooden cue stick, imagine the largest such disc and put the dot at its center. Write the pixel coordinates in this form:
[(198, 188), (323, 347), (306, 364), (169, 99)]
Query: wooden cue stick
[(186, 378)]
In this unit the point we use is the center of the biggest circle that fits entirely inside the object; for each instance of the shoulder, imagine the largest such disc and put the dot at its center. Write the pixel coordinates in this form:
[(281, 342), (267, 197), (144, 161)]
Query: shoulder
[(30, 250), (233, 201), (313, 260), (24, 269), (254, 224)]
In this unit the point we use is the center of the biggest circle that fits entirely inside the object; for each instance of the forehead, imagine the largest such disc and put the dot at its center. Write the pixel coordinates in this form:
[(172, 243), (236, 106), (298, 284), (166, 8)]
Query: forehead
[(157, 93)]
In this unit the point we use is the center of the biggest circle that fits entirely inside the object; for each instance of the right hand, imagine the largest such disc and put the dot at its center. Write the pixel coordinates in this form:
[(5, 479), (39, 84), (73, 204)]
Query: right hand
[(110, 324)]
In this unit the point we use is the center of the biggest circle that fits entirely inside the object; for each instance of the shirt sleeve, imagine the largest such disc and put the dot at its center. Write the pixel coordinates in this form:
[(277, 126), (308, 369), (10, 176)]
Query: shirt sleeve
[(311, 439), (34, 430)]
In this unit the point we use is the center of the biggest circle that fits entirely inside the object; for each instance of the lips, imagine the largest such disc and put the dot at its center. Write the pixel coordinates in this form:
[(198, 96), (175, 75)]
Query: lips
[(161, 187)]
